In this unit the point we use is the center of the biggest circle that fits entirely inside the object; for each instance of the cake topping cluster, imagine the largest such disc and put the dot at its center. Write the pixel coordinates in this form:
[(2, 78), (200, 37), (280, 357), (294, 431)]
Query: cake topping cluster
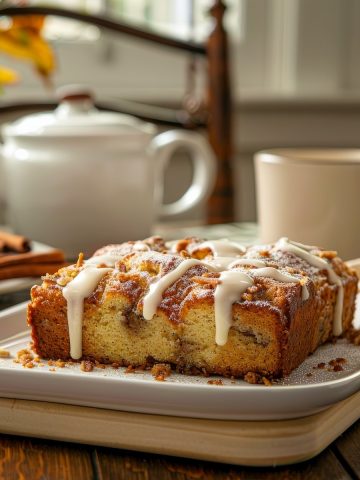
[(235, 269)]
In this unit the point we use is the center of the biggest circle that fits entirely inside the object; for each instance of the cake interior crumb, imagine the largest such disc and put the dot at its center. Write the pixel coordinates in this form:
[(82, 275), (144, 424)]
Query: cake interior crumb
[(217, 381), (160, 371)]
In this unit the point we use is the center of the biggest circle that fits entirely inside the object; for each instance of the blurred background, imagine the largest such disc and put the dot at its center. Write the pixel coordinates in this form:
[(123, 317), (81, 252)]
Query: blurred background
[(295, 72)]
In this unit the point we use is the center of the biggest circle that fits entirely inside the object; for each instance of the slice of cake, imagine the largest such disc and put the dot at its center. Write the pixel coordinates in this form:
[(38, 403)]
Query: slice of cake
[(213, 305)]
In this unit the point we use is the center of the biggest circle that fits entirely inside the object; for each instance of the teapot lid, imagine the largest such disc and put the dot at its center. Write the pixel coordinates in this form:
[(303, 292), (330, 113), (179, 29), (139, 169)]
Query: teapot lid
[(77, 116)]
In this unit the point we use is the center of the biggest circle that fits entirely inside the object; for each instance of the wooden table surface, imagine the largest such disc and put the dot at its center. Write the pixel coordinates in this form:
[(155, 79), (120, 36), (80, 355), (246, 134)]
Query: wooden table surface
[(28, 458)]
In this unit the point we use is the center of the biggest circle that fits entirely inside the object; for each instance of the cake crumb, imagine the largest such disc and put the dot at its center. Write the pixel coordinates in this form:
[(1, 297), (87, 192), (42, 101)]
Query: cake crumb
[(329, 254), (99, 365), (86, 366), (266, 382), (24, 356), (52, 369), (80, 260), (160, 371), (22, 352), (130, 369), (309, 374), (215, 382), (60, 363), (247, 297), (320, 365), (341, 360), (338, 368), (336, 364), (252, 378), (116, 365), (354, 336), (206, 280), (4, 353)]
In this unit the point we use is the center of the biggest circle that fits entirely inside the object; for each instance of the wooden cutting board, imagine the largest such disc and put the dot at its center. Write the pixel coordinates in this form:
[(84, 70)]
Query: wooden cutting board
[(238, 442)]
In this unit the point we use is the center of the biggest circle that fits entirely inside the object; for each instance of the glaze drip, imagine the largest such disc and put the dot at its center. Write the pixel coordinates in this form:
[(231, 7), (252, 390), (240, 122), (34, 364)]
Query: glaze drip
[(233, 284), (237, 274), (75, 292), (304, 252), (221, 248), (109, 259), (154, 296), (280, 277)]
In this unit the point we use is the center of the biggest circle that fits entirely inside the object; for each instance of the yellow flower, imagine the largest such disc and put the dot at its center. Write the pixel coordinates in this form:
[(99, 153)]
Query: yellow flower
[(23, 40), (7, 76)]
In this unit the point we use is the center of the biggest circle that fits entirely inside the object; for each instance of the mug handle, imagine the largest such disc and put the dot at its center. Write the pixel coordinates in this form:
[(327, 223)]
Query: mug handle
[(162, 148)]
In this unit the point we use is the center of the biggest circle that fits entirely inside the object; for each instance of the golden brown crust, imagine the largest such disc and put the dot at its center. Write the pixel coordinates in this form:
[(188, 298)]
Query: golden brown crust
[(273, 329)]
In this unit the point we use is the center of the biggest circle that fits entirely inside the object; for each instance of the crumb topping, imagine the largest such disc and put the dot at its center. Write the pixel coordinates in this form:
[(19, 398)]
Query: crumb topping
[(160, 371)]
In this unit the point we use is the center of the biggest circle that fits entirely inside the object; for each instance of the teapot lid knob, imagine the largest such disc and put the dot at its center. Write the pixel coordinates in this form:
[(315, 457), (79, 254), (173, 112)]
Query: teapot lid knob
[(74, 93), (74, 100)]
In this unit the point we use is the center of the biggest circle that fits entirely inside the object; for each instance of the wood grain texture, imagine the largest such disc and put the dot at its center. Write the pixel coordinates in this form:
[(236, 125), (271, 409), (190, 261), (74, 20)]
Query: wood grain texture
[(220, 208), (347, 447), (161, 115), (25, 459), (122, 464), (252, 443)]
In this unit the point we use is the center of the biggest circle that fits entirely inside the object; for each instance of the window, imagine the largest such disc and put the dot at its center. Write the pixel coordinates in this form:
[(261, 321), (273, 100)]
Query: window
[(181, 18), (278, 48), (115, 65)]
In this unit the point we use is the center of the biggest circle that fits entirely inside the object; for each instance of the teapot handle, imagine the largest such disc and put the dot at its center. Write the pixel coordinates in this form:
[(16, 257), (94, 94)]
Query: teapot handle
[(162, 147)]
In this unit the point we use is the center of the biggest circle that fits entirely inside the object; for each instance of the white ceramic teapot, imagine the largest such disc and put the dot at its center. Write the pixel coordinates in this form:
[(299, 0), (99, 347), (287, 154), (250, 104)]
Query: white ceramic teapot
[(78, 178)]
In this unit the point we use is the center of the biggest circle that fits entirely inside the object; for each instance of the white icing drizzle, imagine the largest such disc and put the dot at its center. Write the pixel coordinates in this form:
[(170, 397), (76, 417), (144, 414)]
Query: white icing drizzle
[(219, 264), (141, 247), (154, 296), (221, 248), (303, 251), (286, 245), (75, 292), (271, 272), (233, 284), (109, 259), (253, 262), (301, 245)]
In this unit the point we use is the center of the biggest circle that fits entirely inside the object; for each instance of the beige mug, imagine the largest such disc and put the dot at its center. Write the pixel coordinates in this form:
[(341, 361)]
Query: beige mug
[(311, 196)]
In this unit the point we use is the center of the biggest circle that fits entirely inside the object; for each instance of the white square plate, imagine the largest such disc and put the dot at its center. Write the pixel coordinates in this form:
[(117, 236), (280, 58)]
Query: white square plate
[(180, 395)]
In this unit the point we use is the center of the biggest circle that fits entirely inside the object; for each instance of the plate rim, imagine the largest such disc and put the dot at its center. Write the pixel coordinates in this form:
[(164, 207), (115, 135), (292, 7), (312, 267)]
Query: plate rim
[(335, 383)]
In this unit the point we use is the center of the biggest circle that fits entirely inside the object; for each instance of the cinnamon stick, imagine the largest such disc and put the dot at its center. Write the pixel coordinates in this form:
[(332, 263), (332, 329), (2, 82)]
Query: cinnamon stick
[(16, 243), (30, 270), (31, 257)]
